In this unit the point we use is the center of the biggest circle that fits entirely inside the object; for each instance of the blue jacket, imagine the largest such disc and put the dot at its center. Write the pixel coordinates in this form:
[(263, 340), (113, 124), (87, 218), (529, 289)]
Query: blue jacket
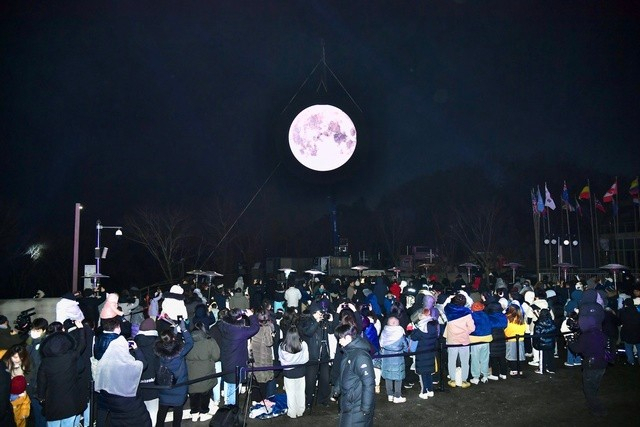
[(482, 322)]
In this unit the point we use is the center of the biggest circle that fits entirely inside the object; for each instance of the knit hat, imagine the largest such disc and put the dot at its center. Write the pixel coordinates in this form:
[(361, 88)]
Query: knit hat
[(314, 307), (366, 292), (18, 384), (477, 306), (110, 309), (148, 325)]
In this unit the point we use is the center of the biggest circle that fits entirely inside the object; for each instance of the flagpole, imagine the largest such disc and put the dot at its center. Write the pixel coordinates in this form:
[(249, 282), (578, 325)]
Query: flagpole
[(615, 222), (579, 239), (592, 205), (566, 208), (536, 230)]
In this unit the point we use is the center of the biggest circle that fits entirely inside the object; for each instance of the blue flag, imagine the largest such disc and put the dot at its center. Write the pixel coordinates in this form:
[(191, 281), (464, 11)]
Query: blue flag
[(540, 202)]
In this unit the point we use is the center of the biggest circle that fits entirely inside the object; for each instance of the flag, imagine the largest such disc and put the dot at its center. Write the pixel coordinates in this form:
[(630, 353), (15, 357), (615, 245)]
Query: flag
[(548, 200), (608, 196), (599, 205), (585, 194), (634, 190), (578, 207), (565, 198), (540, 202)]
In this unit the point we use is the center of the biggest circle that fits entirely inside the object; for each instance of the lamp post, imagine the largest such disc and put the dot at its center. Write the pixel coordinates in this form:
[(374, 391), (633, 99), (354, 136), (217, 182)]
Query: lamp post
[(76, 245), (559, 244), (102, 252)]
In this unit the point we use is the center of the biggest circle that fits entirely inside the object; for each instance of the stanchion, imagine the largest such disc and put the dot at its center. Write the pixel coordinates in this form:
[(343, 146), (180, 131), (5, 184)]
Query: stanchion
[(441, 361)]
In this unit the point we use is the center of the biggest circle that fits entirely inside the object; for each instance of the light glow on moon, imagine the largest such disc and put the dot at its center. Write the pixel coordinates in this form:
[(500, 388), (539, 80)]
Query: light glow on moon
[(322, 137)]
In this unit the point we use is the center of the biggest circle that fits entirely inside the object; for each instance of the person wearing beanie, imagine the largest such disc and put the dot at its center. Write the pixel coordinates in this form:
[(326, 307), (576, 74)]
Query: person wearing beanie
[(459, 327), (480, 338), (145, 339), (20, 400)]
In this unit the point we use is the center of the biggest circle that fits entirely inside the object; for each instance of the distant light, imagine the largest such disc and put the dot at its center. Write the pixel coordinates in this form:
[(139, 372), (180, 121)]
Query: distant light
[(565, 242), (36, 251), (547, 241), (574, 243), (118, 232)]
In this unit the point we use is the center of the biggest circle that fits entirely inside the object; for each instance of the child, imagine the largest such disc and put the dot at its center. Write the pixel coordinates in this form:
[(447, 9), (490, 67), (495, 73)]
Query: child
[(20, 400), (393, 341), (480, 350), (293, 351), (497, 347), (544, 340), (515, 348), (426, 334)]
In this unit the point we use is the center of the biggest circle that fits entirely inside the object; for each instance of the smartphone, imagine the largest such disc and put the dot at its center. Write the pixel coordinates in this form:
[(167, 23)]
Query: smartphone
[(131, 343)]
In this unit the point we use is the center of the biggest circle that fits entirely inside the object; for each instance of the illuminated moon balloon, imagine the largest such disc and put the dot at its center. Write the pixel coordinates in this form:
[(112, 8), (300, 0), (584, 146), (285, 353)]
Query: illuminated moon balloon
[(322, 137)]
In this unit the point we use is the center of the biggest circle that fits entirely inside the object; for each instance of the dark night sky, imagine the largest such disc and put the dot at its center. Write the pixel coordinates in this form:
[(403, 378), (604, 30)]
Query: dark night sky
[(119, 105)]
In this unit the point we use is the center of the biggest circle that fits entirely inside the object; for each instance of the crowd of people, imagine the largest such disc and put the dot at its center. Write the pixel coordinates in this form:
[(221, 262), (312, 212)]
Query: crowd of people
[(147, 355)]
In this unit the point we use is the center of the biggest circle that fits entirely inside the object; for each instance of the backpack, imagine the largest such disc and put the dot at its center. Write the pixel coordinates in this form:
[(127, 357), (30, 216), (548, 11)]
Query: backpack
[(165, 376), (226, 416)]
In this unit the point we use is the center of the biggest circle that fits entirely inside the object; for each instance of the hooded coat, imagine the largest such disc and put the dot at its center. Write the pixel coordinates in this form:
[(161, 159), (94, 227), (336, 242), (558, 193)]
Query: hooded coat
[(233, 344), (459, 324), (145, 340), (173, 357), (630, 320), (58, 377), (544, 331), (426, 334), (393, 341), (498, 322), (201, 361), (356, 384)]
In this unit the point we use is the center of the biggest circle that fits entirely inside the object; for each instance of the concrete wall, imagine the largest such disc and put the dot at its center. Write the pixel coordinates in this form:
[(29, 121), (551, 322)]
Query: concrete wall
[(45, 307)]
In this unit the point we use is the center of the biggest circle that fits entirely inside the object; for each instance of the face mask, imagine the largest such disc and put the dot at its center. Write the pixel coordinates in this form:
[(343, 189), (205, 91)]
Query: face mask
[(34, 334)]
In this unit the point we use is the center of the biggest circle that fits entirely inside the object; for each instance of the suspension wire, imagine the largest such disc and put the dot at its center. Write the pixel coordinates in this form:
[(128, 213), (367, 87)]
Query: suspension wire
[(243, 211)]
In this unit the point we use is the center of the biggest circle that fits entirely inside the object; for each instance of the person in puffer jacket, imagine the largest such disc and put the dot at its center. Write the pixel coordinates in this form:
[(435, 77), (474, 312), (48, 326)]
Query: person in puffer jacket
[(356, 382), (497, 347), (544, 341), (459, 327), (480, 339)]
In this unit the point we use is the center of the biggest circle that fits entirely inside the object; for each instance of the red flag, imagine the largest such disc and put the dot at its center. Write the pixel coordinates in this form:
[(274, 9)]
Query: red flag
[(585, 193), (608, 196), (599, 205)]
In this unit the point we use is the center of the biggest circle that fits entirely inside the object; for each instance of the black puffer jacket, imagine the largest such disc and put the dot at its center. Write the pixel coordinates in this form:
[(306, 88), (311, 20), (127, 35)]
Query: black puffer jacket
[(630, 319), (316, 335), (356, 385), (544, 331), (145, 340), (59, 384)]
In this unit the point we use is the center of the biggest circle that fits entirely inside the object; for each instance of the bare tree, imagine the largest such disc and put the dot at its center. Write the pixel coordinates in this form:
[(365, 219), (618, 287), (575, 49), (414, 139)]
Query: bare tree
[(393, 225), (476, 228), (163, 234)]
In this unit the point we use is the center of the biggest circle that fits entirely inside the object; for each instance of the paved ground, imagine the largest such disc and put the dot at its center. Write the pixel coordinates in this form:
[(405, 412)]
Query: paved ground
[(532, 400)]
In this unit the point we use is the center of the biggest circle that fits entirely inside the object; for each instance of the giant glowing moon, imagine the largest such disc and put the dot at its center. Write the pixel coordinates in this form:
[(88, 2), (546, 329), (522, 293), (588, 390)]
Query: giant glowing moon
[(322, 137)]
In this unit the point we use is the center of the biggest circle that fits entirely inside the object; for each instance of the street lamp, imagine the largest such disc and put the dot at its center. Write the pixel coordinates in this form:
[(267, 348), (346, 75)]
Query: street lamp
[(559, 244), (76, 245), (102, 252)]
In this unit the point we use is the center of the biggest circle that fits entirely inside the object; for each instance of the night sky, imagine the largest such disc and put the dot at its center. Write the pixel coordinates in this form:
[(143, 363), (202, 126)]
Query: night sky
[(129, 104)]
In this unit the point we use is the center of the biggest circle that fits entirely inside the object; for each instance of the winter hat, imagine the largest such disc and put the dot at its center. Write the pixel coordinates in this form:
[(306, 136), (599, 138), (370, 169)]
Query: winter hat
[(173, 304), (578, 286), (110, 309), (551, 293), (366, 292), (477, 306), (314, 308), (176, 292), (148, 325), (18, 384)]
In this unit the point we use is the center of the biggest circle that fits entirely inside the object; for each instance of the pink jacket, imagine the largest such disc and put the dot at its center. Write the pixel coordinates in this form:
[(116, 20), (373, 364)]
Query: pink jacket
[(458, 330)]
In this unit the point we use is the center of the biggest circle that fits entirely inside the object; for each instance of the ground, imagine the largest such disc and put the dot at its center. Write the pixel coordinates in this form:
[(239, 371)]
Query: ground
[(533, 400)]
